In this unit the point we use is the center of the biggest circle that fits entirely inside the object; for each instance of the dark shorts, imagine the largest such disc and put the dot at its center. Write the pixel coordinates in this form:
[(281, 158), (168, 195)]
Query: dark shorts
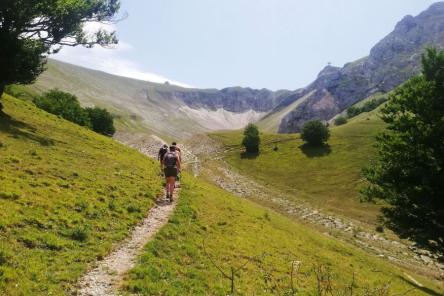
[(170, 172)]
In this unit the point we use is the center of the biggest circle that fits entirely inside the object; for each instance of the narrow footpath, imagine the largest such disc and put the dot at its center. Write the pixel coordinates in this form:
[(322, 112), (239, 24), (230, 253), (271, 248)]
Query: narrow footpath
[(107, 276)]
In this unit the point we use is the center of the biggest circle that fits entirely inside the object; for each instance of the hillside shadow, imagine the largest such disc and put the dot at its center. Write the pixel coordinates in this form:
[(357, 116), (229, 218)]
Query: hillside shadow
[(426, 290), (19, 129), (249, 155), (315, 151)]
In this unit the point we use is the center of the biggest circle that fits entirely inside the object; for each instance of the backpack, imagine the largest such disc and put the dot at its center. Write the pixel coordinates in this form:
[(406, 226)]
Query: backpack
[(162, 152), (170, 159)]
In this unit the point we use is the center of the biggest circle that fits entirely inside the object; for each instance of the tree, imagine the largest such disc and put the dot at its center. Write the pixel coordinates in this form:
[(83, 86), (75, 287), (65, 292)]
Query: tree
[(340, 120), (102, 121), (315, 133), (251, 139), (65, 105), (30, 30), (409, 170)]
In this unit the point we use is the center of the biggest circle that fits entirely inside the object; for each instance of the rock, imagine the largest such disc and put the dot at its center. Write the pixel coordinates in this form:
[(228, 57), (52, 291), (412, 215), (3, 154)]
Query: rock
[(392, 61)]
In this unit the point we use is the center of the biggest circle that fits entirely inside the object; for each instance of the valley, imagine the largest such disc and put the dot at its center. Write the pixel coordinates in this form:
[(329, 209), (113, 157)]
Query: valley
[(85, 214)]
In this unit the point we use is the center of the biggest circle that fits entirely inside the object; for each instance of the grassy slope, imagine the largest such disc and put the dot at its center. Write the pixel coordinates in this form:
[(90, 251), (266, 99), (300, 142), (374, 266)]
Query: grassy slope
[(329, 178), (125, 98), (59, 182), (235, 229)]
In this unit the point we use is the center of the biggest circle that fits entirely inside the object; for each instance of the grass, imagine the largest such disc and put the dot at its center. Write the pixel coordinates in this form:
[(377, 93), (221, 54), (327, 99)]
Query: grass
[(66, 194), (328, 177), (238, 232)]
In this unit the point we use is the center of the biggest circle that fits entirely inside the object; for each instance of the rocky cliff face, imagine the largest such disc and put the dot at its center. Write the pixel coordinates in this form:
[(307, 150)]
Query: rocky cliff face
[(392, 61), (233, 99)]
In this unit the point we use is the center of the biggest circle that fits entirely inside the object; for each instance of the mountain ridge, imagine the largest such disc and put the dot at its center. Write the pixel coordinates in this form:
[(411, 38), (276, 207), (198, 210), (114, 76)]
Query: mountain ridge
[(391, 61), (177, 112)]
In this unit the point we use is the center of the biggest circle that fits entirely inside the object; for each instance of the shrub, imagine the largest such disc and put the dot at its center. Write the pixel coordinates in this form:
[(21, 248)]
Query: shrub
[(79, 234), (102, 121), (315, 133), (65, 105), (251, 139), (133, 208), (340, 120), (367, 107)]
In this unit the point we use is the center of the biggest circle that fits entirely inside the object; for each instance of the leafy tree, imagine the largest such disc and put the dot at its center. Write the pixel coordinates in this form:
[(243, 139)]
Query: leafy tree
[(30, 30), (409, 171), (340, 120), (251, 139), (315, 133), (102, 121), (64, 104)]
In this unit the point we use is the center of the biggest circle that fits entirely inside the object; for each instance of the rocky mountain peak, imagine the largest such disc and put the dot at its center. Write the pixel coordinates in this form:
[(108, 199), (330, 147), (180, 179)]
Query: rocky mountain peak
[(393, 60)]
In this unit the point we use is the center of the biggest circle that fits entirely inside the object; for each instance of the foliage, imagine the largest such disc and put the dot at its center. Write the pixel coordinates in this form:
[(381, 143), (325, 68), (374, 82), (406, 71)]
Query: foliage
[(57, 181), (340, 120), (409, 171), (30, 30), (64, 104), (213, 233), (367, 107), (67, 106), (102, 121), (315, 133), (251, 139)]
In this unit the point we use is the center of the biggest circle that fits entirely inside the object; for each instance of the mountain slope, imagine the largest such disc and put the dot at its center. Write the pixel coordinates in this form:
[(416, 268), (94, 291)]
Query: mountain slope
[(392, 61), (175, 112), (66, 194), (211, 224), (327, 177), (163, 109)]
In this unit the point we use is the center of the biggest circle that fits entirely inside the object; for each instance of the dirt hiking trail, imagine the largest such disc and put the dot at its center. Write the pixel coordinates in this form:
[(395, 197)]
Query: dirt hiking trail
[(107, 276)]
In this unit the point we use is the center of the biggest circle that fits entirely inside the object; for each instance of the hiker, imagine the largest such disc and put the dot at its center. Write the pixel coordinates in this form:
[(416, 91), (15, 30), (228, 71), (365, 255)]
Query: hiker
[(179, 154), (171, 166), (162, 151)]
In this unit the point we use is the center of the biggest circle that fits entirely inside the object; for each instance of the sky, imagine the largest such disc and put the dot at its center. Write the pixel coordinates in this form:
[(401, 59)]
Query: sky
[(274, 44)]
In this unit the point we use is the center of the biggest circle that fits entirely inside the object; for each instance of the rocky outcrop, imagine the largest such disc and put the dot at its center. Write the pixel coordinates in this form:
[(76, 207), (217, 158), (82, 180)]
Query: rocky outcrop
[(392, 61), (233, 99)]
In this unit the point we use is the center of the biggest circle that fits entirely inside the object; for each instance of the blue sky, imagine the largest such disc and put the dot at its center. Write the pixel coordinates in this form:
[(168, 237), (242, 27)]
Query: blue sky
[(273, 44)]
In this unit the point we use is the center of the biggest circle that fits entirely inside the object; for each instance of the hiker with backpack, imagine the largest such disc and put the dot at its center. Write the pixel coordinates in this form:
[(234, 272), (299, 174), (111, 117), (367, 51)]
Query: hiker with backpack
[(179, 154), (171, 167), (162, 151)]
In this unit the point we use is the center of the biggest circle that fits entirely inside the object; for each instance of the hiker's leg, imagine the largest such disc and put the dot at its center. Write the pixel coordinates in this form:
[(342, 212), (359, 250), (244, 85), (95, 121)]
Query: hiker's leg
[(167, 186)]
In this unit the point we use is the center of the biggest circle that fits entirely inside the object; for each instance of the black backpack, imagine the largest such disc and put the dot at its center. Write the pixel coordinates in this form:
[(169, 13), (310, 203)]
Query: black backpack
[(162, 152), (170, 159)]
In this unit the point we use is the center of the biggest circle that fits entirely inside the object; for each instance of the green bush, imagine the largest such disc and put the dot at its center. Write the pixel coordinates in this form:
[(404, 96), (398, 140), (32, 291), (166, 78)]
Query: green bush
[(315, 133), (367, 107), (251, 139), (340, 120), (65, 105), (79, 234), (102, 121), (68, 107)]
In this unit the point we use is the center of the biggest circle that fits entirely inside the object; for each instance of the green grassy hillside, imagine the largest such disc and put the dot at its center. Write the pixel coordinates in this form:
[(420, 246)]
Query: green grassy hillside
[(66, 195), (238, 232), (328, 177)]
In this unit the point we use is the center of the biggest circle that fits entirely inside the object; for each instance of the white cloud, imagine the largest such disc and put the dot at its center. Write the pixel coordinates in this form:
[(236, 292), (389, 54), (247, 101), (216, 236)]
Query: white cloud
[(109, 60)]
